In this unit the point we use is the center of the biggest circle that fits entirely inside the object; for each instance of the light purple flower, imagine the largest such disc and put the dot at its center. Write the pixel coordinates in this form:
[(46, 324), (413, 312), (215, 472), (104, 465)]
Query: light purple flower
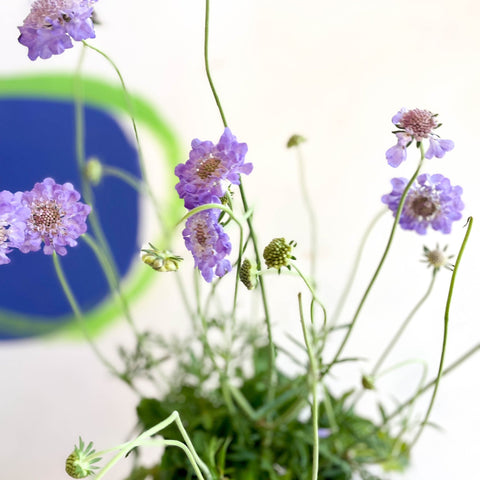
[(205, 176), (209, 244), (416, 125), (438, 147), (51, 24), (431, 201), (398, 153), (57, 218), (13, 217)]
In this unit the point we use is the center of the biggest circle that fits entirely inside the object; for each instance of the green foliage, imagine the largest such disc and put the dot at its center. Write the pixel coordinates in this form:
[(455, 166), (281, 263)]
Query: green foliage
[(266, 441)]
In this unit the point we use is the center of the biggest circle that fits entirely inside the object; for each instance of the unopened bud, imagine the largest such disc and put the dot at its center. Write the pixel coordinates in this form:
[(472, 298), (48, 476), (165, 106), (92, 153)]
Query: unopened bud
[(295, 140), (93, 170), (160, 260), (80, 463), (368, 382)]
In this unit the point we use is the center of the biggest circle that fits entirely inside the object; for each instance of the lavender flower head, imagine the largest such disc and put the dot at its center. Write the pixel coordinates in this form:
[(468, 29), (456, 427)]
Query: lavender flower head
[(205, 176), (51, 24), (416, 125), (431, 201), (57, 218), (13, 217), (209, 244)]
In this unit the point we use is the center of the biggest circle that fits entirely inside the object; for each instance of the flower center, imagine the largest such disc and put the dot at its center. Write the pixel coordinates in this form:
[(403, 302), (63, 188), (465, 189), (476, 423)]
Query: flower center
[(46, 217), (423, 206), (52, 9), (208, 167), (200, 235), (419, 123), (436, 258)]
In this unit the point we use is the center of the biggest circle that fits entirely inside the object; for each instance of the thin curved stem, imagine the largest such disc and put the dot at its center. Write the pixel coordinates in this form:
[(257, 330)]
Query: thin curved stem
[(112, 279), (353, 272), (144, 439), (272, 375), (382, 261), (311, 215), (403, 326), (78, 314), (141, 159), (313, 382), (125, 176), (445, 331), (430, 384), (312, 291), (207, 65), (87, 190)]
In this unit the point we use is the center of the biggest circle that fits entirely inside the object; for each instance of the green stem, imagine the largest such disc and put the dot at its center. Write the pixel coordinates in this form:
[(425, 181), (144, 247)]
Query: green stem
[(445, 331), (403, 326), (272, 380), (78, 314), (312, 291), (353, 271), (430, 384), (272, 376), (144, 440), (311, 215), (313, 382), (207, 66), (125, 176), (382, 260), (141, 159), (81, 162), (111, 278)]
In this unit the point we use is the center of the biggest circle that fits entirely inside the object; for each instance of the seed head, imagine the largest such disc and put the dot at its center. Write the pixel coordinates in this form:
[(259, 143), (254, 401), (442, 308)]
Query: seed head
[(437, 258), (248, 274), (79, 463), (277, 253)]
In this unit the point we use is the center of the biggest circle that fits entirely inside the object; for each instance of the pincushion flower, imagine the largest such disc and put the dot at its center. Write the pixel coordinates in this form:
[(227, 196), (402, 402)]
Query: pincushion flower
[(209, 244), (431, 201), (205, 176), (51, 24), (13, 217), (56, 219), (416, 125)]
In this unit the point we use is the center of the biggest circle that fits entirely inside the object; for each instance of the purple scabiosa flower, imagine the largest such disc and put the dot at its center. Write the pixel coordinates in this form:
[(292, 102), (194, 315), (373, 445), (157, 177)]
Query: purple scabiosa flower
[(205, 176), (13, 217), (51, 24), (57, 218), (416, 125), (431, 200), (209, 244)]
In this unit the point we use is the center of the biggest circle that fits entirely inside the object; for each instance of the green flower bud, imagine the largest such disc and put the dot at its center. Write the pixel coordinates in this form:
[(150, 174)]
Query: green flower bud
[(93, 170), (368, 382), (248, 274), (295, 140), (277, 253), (79, 463), (161, 261)]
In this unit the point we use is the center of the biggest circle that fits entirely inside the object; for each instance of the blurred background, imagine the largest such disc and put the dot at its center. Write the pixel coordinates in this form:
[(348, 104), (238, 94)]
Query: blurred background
[(334, 72)]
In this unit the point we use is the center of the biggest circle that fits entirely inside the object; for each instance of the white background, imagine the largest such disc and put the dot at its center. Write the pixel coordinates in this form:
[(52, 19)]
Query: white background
[(336, 72)]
